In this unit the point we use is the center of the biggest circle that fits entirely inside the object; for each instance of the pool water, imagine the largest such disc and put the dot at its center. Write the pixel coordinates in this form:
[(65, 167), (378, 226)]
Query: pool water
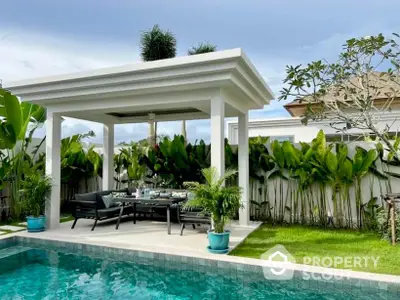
[(34, 273)]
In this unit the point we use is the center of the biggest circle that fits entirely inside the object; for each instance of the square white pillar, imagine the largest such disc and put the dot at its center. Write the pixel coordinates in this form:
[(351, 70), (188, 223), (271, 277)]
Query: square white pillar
[(243, 157), (108, 157), (53, 168), (217, 134)]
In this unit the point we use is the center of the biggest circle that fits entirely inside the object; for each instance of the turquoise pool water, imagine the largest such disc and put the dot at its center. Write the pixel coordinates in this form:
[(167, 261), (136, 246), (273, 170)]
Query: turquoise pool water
[(34, 273)]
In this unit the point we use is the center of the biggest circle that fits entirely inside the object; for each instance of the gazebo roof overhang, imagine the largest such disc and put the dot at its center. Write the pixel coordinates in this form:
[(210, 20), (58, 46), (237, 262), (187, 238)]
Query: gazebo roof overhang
[(173, 89)]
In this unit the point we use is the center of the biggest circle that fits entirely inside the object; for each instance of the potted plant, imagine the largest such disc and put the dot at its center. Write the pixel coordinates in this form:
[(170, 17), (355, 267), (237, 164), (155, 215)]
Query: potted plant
[(35, 191), (220, 202)]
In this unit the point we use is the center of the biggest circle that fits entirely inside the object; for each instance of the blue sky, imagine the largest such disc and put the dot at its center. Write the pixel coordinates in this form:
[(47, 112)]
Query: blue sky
[(46, 37)]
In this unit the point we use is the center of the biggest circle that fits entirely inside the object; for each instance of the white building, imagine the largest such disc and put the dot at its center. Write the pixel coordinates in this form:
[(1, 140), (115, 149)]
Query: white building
[(291, 128)]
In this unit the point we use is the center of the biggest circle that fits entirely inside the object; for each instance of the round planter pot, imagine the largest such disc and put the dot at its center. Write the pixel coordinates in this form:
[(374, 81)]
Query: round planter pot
[(219, 242), (36, 224)]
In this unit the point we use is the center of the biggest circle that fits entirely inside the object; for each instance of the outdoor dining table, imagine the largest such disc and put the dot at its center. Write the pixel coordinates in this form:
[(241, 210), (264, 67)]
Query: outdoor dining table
[(151, 202)]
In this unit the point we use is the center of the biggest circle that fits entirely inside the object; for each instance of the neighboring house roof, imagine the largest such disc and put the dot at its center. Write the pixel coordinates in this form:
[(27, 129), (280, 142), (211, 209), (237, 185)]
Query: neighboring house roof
[(380, 85)]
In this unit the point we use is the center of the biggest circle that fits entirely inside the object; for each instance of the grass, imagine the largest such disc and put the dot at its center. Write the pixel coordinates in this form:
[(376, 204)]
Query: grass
[(304, 242), (66, 218)]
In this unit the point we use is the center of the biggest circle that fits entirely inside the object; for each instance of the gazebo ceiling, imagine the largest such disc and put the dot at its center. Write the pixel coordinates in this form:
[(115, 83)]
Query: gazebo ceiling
[(172, 89), (158, 112)]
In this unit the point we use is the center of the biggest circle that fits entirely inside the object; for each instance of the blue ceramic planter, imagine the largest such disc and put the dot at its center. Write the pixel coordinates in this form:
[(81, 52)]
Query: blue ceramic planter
[(219, 242), (36, 224)]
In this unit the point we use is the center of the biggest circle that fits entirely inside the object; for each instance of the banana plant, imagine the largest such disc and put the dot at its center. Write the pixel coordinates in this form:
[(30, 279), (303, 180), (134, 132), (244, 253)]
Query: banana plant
[(169, 160), (131, 161), (362, 162), (17, 126)]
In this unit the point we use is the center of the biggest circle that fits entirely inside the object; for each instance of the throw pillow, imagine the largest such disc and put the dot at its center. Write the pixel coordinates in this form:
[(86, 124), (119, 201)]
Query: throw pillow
[(108, 200)]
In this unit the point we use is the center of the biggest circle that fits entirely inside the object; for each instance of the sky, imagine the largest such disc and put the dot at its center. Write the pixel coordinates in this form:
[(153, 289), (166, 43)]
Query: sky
[(47, 37)]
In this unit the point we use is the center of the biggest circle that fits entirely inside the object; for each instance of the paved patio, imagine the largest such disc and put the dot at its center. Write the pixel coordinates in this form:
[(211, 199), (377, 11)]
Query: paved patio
[(144, 235)]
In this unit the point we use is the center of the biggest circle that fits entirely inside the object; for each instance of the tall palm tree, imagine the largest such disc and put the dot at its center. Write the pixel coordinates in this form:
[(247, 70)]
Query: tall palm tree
[(202, 48), (157, 44)]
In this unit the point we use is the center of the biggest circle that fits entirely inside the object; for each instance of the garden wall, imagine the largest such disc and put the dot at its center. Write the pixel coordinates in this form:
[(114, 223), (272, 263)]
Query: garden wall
[(280, 199)]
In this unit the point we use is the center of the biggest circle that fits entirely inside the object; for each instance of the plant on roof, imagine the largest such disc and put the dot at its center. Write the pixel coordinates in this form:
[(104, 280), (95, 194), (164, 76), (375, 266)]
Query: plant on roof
[(157, 44), (353, 92), (202, 48)]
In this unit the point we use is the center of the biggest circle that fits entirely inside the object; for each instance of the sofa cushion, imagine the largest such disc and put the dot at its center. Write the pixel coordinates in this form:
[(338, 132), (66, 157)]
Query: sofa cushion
[(108, 200), (86, 197), (109, 212)]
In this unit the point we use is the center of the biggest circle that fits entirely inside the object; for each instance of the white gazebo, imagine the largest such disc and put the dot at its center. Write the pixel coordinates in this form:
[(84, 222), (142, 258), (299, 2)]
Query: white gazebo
[(213, 85)]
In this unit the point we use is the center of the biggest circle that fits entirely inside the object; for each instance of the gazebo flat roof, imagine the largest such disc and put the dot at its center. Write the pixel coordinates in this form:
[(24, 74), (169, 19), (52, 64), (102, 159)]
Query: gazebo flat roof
[(174, 89)]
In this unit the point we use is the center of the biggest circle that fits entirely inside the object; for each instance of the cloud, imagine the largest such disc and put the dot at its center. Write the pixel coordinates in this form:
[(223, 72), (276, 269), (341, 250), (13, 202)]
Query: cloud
[(25, 54), (32, 53)]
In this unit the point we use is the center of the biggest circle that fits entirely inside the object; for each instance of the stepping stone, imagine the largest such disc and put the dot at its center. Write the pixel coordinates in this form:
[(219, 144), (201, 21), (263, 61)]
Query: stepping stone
[(23, 224), (11, 228)]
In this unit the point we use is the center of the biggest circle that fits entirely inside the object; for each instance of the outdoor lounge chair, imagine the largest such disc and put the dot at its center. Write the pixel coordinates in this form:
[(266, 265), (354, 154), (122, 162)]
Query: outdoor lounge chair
[(91, 206), (194, 217)]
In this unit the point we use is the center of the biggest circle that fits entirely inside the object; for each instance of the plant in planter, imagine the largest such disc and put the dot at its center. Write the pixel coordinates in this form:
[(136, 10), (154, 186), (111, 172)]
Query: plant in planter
[(35, 191), (217, 200)]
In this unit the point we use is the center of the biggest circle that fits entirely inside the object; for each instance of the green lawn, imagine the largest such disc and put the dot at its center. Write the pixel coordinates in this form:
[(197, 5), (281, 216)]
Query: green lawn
[(317, 242)]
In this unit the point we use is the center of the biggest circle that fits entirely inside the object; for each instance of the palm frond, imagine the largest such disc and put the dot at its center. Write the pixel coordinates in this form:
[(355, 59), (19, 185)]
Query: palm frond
[(157, 44), (202, 48)]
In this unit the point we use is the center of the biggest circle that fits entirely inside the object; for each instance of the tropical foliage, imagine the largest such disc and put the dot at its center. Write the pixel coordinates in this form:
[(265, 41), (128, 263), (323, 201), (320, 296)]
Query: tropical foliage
[(202, 48), (221, 202), (35, 192), (157, 44), (18, 124), (128, 168)]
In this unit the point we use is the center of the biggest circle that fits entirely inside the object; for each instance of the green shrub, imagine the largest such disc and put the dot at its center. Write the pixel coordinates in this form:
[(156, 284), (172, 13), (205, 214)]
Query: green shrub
[(35, 192)]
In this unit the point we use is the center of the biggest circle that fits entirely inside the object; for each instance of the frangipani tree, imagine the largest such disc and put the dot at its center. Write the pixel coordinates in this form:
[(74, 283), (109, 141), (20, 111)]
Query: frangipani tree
[(355, 91)]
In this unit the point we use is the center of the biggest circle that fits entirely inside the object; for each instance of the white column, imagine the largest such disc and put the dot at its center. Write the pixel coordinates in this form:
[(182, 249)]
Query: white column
[(217, 134), (243, 145), (53, 168), (108, 157)]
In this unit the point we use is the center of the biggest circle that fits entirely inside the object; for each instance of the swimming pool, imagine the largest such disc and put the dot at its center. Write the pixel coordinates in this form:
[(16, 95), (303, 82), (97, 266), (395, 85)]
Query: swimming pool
[(49, 272)]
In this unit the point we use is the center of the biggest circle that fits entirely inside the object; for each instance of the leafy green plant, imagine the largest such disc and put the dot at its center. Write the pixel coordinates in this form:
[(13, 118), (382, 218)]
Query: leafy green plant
[(35, 191), (128, 161), (222, 202), (362, 162), (17, 126), (157, 44), (202, 48)]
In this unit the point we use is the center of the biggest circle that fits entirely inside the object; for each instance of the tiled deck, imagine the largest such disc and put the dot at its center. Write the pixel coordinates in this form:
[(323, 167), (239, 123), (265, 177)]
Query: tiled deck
[(144, 235)]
